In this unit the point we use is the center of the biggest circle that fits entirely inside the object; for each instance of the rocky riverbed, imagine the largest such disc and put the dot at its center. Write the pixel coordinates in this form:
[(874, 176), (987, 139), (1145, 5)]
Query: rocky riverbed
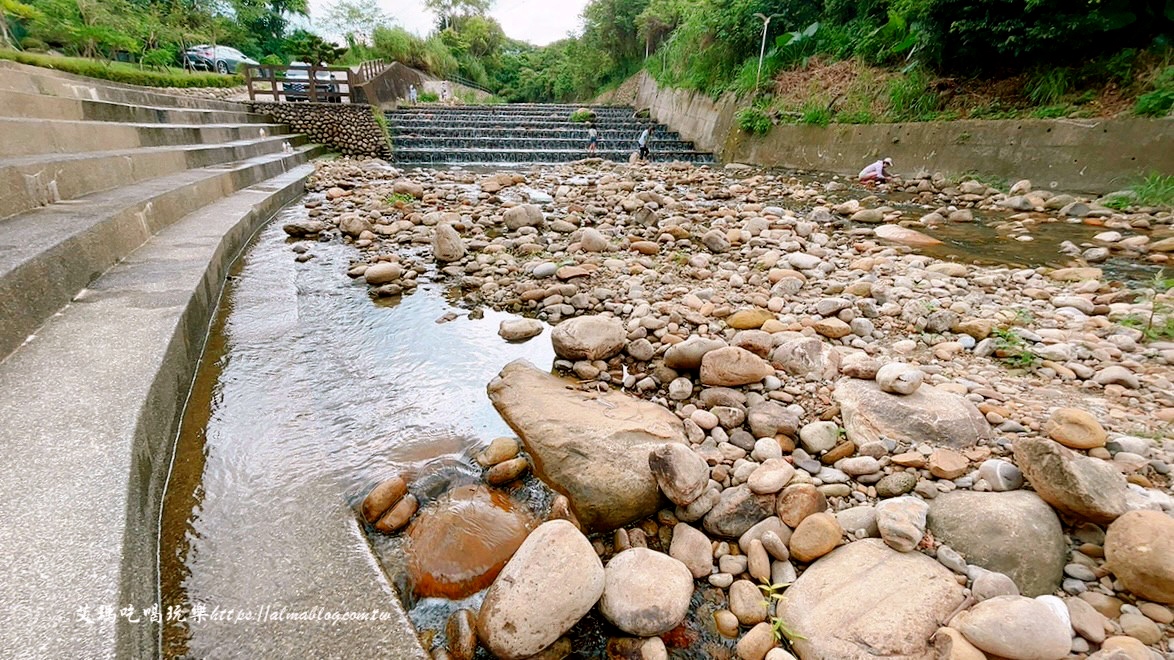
[(764, 395)]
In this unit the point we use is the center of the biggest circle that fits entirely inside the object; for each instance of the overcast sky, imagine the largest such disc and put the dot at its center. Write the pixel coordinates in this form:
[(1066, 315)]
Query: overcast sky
[(537, 21)]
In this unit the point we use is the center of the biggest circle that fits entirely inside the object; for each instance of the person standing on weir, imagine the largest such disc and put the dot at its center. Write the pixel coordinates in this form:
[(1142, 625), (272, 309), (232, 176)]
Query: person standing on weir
[(413, 96), (592, 139), (642, 142)]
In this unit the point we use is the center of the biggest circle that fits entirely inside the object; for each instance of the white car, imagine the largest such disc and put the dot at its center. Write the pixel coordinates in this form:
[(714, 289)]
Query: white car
[(296, 85)]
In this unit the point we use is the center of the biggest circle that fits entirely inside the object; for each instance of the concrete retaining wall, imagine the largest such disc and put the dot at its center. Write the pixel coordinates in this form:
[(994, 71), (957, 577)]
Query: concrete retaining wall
[(1086, 155), (348, 128)]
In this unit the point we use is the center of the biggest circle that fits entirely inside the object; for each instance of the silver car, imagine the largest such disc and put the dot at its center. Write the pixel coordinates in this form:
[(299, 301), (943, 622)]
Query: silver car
[(215, 58)]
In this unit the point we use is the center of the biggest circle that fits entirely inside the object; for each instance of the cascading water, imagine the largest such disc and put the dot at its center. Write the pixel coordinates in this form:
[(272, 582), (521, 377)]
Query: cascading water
[(526, 134)]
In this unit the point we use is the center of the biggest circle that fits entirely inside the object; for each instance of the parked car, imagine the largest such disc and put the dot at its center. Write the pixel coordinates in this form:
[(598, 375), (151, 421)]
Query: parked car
[(296, 85), (215, 58)]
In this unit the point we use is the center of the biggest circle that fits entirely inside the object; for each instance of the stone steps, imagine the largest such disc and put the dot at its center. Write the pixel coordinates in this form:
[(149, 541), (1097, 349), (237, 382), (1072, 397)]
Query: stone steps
[(530, 133), (22, 104), (49, 254), (23, 137), (30, 182)]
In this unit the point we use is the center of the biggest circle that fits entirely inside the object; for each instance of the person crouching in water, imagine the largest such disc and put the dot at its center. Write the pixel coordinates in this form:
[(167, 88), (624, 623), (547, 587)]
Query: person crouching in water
[(592, 139), (877, 172)]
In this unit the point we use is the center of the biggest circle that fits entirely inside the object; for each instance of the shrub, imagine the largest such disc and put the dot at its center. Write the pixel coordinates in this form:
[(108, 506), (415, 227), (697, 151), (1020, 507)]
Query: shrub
[(816, 115), (122, 73), (429, 97), (910, 98), (1047, 87), (1157, 103), (582, 115), (754, 120)]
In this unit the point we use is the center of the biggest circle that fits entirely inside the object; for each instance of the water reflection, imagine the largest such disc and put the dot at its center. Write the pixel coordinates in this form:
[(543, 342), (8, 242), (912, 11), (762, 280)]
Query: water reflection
[(318, 394)]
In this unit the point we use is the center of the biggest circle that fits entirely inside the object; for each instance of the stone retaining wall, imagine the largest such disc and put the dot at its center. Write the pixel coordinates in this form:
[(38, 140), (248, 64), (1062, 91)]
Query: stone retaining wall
[(1074, 155), (350, 129)]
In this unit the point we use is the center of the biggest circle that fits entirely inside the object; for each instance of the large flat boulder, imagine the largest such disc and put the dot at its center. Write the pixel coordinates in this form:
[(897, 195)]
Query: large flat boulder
[(592, 447), (866, 600), (1014, 533), (928, 415)]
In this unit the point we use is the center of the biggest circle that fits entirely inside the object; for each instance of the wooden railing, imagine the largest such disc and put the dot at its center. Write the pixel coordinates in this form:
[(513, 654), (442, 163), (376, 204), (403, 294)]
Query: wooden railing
[(370, 69), (267, 80)]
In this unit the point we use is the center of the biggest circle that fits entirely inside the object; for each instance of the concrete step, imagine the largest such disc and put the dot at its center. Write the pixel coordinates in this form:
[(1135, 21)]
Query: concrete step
[(48, 255), (37, 80), (20, 104), (29, 182), (528, 144), (91, 408), (26, 137)]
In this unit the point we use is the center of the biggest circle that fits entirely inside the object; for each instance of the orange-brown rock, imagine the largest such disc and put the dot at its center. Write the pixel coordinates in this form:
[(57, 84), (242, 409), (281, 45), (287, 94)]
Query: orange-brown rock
[(383, 497), (458, 545)]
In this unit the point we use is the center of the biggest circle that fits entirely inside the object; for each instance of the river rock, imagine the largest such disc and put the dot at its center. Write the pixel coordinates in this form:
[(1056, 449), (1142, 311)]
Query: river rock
[(588, 338), (748, 319), (305, 228), (525, 215), (591, 446), (819, 437), (928, 415), (1075, 429), (1016, 628), (399, 515), (905, 236), (865, 600), (732, 366), (757, 643), (520, 329), (1015, 533), (799, 501), (1000, 475), (899, 378), (461, 632), (645, 592), (817, 535), (901, 522), (686, 356), (447, 244), (692, 548), (1076, 485), (592, 241), (382, 273), (808, 357), (383, 497), (458, 544), (551, 582), (353, 225), (771, 476), (747, 603), (1139, 549), (679, 471), (769, 419), (736, 511)]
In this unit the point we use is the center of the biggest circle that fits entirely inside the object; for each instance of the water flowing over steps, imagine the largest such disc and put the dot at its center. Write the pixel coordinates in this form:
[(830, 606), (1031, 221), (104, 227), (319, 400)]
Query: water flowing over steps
[(525, 133), (121, 210)]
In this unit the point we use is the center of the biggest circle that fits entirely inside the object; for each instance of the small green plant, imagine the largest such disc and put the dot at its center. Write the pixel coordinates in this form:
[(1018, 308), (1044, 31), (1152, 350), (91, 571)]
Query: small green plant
[(384, 127), (1051, 112), (1012, 349), (582, 115), (1159, 101), (855, 117), (772, 593), (396, 199), (754, 120), (1154, 190), (1049, 86), (429, 97), (1159, 325), (816, 115)]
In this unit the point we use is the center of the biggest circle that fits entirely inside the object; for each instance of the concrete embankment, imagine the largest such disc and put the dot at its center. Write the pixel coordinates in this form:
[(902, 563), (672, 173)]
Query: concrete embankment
[(1075, 155)]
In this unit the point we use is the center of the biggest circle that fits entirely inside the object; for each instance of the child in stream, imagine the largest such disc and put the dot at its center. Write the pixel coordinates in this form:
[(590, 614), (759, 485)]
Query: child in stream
[(592, 139), (642, 142)]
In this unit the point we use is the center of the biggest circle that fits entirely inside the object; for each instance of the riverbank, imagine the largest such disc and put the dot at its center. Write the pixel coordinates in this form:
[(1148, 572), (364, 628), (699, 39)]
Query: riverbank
[(768, 385)]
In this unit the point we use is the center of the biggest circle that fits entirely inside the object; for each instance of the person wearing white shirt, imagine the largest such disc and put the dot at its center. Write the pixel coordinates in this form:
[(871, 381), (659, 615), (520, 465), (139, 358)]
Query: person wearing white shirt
[(877, 171)]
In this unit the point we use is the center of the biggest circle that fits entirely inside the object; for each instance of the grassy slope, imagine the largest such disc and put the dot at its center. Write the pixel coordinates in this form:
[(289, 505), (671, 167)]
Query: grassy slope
[(122, 72)]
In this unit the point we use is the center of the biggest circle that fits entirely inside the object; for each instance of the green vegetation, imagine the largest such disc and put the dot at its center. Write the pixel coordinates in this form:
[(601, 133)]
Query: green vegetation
[(429, 97), (384, 127), (1154, 190), (582, 115), (397, 199), (1159, 324), (1012, 349), (782, 632), (754, 120), (122, 72)]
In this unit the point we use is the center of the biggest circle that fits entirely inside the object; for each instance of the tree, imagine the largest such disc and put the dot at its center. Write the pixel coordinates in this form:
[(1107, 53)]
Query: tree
[(447, 11), (309, 47), (17, 10), (355, 20)]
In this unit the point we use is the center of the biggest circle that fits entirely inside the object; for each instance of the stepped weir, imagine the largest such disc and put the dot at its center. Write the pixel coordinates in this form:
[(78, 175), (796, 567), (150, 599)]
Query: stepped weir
[(527, 133)]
